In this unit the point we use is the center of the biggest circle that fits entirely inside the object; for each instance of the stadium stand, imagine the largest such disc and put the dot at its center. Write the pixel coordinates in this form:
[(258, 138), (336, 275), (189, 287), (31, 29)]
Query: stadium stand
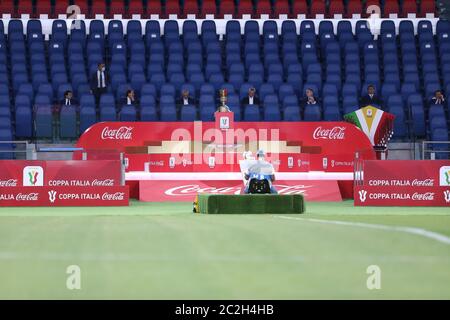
[(254, 8), (338, 59)]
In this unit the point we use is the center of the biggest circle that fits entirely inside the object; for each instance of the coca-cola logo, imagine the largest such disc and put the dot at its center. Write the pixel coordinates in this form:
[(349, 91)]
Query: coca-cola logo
[(335, 133), (193, 189), (103, 183), (423, 183), (8, 183), (428, 196), (122, 133), (27, 196), (118, 196)]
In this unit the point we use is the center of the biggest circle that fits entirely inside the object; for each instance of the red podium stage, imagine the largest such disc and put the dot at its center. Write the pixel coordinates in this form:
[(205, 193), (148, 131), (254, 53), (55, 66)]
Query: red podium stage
[(208, 153)]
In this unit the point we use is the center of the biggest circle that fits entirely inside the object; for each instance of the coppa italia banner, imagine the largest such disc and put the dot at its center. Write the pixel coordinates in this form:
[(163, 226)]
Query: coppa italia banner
[(26, 173), (63, 196), (402, 196), (164, 190), (404, 183), (330, 146)]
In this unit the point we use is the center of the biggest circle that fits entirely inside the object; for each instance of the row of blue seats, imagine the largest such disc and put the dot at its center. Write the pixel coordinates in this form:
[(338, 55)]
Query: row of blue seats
[(270, 30), (88, 116), (197, 86)]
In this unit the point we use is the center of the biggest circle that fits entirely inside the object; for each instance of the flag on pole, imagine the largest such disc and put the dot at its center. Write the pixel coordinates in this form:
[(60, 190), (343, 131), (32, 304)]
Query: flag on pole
[(377, 124)]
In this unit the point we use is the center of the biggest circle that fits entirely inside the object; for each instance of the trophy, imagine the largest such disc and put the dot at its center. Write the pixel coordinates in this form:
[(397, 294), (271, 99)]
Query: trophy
[(223, 93)]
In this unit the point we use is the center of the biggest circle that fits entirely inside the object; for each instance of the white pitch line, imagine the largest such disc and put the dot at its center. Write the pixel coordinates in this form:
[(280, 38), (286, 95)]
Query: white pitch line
[(411, 230)]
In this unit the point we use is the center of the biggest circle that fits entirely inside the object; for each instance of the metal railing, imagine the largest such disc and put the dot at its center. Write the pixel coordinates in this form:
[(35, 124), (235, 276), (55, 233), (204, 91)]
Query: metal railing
[(29, 149), (433, 151)]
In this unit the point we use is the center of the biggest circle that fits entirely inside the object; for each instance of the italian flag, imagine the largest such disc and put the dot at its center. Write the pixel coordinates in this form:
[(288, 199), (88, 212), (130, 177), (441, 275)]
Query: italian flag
[(375, 123)]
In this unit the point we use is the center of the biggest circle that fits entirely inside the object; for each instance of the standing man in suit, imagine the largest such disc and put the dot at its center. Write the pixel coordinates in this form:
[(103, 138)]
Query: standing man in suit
[(371, 99), (69, 100), (99, 82), (251, 98)]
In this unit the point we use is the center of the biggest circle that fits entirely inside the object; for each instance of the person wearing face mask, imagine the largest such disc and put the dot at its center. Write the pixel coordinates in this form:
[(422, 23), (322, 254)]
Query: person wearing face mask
[(371, 99), (99, 81)]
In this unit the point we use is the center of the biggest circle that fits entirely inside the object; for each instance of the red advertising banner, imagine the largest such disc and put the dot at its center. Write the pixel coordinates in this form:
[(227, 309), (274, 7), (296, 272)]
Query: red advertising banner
[(63, 196), (402, 196), (34, 173), (330, 146), (417, 173), (167, 190), (404, 183)]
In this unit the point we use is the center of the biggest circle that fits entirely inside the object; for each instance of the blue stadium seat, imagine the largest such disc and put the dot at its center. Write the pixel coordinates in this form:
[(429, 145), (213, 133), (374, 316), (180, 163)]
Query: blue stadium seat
[(128, 113), (188, 113), (312, 113), (108, 113), (43, 120), (107, 101), (207, 113), (148, 113), (265, 90), (292, 113), (68, 123), (272, 113), (148, 89), (252, 113), (400, 129)]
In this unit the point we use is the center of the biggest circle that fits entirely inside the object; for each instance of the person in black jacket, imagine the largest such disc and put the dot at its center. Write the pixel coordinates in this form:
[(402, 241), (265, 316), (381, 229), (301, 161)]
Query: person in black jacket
[(69, 100), (185, 99), (99, 82), (438, 98), (251, 98), (130, 99), (371, 99), (309, 99)]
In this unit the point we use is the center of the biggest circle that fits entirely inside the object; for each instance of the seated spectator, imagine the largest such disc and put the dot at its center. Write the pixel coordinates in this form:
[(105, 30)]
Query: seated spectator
[(310, 98), (69, 100), (438, 98), (371, 99), (251, 99), (130, 99), (185, 99)]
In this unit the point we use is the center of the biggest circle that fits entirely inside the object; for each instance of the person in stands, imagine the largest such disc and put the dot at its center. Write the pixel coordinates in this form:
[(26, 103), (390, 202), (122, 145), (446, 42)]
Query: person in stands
[(438, 98), (371, 98), (251, 98), (309, 99), (69, 100), (185, 99), (99, 82), (130, 99)]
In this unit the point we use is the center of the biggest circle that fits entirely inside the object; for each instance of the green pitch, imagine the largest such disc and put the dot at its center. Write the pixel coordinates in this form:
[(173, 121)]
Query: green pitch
[(163, 251)]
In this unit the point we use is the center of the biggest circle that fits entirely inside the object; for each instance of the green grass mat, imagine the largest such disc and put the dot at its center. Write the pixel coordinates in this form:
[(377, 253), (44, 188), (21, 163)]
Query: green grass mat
[(247, 204)]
